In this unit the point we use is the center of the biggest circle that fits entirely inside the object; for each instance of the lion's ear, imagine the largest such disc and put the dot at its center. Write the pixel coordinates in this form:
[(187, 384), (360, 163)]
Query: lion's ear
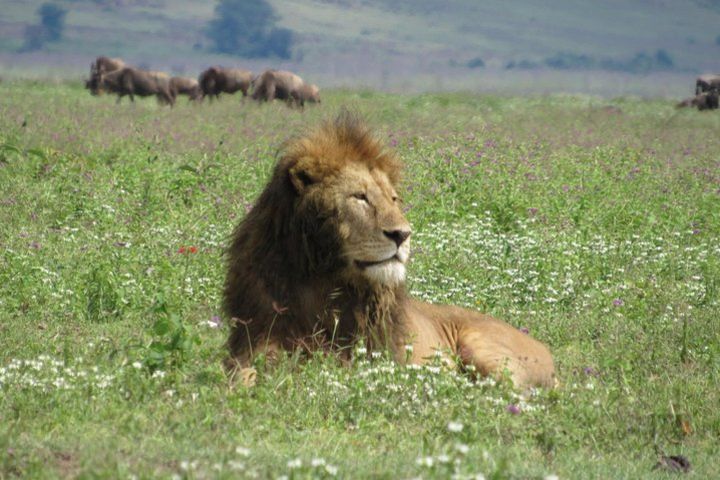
[(300, 177)]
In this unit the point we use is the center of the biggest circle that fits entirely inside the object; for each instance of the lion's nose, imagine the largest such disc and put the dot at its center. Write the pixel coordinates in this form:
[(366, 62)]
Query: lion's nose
[(397, 236)]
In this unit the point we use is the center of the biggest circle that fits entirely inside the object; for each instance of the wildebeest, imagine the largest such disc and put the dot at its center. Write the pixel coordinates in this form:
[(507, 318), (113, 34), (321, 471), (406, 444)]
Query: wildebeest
[(306, 93), (101, 66), (185, 86), (704, 101), (706, 83), (217, 80), (104, 64), (272, 84), (132, 81)]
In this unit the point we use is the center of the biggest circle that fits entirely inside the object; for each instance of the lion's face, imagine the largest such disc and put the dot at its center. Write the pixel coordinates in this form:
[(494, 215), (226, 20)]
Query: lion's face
[(360, 210), (373, 232)]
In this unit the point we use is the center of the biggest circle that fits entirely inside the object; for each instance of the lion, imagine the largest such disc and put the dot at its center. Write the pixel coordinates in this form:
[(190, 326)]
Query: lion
[(320, 262)]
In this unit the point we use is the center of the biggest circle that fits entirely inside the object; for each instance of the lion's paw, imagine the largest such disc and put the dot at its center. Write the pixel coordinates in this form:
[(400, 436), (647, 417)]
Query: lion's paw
[(247, 377)]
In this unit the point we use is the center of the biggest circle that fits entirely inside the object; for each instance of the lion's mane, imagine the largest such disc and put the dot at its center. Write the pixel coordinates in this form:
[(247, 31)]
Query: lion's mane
[(285, 253)]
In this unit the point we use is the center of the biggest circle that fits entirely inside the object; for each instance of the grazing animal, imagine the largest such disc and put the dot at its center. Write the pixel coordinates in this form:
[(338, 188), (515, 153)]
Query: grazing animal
[(706, 83), (320, 259), (217, 80), (306, 93), (104, 64), (186, 86), (272, 84), (703, 101), (132, 81), (101, 66)]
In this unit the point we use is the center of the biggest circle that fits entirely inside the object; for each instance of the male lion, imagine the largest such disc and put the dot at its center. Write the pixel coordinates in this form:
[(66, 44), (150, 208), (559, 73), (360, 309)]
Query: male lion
[(320, 260)]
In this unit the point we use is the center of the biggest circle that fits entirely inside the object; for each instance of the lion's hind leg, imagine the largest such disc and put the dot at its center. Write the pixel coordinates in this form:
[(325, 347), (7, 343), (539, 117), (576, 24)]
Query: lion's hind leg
[(239, 374), (497, 348), (240, 367)]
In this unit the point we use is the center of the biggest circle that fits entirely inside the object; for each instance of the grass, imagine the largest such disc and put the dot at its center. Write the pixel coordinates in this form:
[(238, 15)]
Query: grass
[(593, 224)]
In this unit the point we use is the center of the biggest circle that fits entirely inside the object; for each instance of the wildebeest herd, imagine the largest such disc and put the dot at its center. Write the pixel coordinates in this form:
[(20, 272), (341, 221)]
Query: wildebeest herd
[(112, 75), (707, 91)]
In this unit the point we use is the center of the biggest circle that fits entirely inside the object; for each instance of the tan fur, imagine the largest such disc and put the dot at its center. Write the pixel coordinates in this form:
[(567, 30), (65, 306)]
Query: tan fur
[(707, 83), (283, 85), (703, 101), (217, 80), (99, 67), (185, 86), (133, 81), (319, 262)]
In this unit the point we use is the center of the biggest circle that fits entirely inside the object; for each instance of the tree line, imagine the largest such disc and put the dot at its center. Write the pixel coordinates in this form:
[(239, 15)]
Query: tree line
[(240, 27)]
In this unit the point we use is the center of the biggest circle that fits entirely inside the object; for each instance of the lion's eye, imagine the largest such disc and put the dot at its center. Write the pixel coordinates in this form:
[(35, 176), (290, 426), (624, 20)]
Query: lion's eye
[(395, 198), (360, 196)]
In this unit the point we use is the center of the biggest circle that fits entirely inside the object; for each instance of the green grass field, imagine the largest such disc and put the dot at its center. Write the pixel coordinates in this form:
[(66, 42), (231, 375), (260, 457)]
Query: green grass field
[(593, 224)]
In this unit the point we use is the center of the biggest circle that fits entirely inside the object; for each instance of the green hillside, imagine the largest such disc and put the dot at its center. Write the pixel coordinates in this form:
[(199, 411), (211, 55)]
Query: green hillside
[(385, 43)]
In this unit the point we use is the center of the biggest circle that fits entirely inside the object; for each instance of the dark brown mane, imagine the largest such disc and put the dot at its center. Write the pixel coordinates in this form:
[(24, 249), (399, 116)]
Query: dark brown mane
[(284, 256)]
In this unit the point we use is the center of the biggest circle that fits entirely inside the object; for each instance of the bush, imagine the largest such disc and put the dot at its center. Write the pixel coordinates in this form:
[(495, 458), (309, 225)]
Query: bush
[(476, 62), (52, 24), (570, 61), (642, 62), (522, 65), (248, 29), (52, 18)]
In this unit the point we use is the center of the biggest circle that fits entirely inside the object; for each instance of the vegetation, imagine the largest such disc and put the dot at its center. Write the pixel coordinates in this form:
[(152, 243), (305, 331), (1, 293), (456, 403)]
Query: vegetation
[(476, 62), (246, 29), (640, 63), (52, 23), (593, 225)]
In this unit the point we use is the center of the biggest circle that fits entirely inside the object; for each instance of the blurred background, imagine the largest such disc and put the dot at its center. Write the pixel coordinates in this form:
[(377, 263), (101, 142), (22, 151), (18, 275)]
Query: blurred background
[(650, 48)]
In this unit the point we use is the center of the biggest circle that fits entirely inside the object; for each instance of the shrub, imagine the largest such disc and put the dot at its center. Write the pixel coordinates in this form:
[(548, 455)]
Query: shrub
[(248, 29)]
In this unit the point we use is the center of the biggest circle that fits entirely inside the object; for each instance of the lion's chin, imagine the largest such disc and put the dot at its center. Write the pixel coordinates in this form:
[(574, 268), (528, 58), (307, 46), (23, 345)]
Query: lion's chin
[(391, 273)]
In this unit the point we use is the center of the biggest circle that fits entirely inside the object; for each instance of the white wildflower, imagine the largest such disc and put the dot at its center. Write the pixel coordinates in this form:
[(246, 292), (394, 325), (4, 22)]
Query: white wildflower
[(462, 448), (425, 461), (455, 427), (242, 451)]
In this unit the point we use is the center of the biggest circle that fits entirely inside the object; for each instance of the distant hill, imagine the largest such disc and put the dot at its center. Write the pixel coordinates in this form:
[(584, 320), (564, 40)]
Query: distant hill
[(400, 44)]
